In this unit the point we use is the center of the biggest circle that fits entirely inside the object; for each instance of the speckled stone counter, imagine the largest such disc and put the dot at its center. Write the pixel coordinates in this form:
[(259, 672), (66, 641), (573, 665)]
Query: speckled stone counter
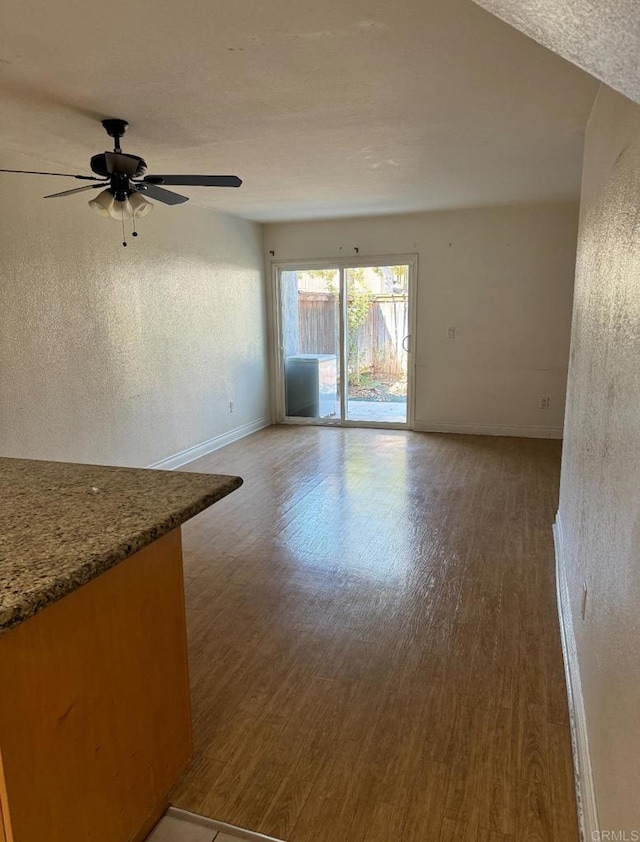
[(63, 524)]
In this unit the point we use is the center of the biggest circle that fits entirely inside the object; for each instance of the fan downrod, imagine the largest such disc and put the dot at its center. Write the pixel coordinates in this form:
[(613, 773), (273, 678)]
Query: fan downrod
[(115, 128)]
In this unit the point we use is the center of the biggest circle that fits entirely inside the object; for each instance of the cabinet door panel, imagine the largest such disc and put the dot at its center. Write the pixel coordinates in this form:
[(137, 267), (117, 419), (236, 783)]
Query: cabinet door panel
[(95, 718)]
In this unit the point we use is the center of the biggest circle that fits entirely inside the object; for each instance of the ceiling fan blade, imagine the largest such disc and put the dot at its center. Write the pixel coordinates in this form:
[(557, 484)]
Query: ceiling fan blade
[(75, 190), (65, 174), (195, 180), (120, 163), (166, 196)]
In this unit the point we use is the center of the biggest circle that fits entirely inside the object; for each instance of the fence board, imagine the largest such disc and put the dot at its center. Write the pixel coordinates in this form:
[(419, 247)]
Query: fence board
[(379, 345)]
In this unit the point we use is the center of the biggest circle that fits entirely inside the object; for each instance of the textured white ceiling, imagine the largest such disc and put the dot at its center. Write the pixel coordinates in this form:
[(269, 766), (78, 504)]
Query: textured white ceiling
[(603, 37), (324, 109)]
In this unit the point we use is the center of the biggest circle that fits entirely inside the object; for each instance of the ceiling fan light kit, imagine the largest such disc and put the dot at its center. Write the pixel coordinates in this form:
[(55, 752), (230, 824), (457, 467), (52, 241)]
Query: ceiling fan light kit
[(134, 207), (102, 203), (126, 189), (140, 207)]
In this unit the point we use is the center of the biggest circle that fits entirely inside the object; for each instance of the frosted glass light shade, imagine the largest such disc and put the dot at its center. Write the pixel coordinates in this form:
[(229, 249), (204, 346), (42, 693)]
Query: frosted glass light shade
[(120, 210), (141, 207), (102, 204)]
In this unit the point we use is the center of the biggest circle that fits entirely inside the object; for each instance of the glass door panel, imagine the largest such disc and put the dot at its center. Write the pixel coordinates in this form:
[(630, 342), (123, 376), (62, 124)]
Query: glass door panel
[(376, 340), (311, 342)]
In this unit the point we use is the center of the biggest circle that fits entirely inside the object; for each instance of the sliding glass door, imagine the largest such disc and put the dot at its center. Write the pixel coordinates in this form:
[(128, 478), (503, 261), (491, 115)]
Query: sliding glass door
[(377, 337), (344, 352), (311, 343)]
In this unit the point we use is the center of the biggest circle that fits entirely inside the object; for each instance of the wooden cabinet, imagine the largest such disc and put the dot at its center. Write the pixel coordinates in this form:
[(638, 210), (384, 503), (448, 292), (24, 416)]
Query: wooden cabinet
[(3, 837), (95, 722)]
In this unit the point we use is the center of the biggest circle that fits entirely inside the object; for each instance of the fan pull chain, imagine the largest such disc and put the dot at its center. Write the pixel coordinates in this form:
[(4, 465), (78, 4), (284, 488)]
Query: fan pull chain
[(124, 242), (134, 233)]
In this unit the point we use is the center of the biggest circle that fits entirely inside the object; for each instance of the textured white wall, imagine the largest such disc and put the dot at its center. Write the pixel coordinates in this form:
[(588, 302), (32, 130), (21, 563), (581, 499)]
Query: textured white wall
[(502, 276), (117, 355), (600, 487), (600, 36)]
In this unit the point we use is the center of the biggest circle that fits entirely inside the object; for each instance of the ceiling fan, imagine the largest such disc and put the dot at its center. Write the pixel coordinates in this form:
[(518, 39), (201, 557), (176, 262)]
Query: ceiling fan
[(126, 188)]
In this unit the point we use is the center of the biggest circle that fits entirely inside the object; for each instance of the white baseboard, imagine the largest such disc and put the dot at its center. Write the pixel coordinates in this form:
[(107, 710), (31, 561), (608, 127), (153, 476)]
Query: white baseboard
[(491, 430), (198, 450), (585, 789)]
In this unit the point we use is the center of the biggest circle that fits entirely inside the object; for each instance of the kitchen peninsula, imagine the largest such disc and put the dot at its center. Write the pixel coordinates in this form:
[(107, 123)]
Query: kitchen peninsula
[(95, 723)]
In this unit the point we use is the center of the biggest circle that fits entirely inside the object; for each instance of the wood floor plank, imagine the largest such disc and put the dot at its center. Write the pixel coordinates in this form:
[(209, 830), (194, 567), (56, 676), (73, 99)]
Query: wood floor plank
[(196, 783), (288, 802), (425, 811), (330, 808), (373, 640), (492, 836), (534, 823), (565, 822), (498, 809), (457, 832)]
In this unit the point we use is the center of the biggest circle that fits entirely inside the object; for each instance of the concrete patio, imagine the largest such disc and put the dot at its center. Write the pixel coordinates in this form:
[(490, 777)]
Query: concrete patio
[(388, 412)]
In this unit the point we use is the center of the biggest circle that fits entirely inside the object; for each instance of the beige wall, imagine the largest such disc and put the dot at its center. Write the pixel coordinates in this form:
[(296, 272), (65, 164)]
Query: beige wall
[(503, 277), (117, 355), (600, 489)]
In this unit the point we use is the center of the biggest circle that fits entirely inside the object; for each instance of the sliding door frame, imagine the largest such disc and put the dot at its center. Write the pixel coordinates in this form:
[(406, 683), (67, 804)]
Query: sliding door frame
[(277, 338)]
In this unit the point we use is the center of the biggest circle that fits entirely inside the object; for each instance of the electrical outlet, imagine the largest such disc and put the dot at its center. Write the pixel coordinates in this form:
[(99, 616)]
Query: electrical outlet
[(545, 402), (232, 406), (451, 333), (584, 600)]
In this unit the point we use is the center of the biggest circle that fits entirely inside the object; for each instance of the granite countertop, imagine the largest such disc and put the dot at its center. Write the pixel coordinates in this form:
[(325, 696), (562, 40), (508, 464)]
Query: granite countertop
[(63, 524)]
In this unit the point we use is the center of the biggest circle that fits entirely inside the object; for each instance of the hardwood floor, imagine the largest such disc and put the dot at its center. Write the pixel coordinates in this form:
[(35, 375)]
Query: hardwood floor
[(375, 652)]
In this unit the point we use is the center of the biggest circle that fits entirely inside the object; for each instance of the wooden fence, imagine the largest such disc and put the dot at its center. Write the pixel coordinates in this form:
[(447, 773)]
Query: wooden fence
[(379, 341)]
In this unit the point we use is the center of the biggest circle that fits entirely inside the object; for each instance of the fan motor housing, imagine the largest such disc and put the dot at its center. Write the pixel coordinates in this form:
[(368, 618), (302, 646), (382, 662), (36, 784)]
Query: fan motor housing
[(99, 165), (120, 187)]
